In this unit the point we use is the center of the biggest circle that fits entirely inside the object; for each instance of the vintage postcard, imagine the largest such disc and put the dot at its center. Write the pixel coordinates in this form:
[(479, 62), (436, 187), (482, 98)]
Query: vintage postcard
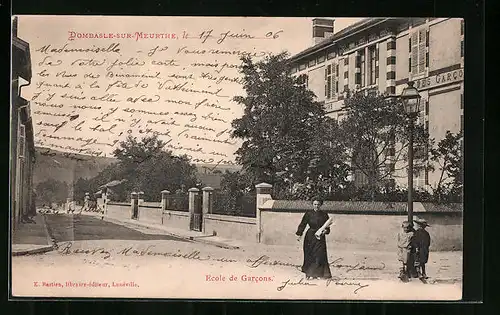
[(263, 158)]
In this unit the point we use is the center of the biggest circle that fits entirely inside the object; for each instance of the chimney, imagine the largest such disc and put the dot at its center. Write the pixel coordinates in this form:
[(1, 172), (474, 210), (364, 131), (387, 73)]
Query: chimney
[(322, 28)]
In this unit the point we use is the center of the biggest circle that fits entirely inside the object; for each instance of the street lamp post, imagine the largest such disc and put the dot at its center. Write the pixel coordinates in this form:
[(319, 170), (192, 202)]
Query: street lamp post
[(411, 101)]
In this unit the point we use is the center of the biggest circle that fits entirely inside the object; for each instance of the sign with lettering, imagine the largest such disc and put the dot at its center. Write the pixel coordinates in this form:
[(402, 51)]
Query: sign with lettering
[(440, 79)]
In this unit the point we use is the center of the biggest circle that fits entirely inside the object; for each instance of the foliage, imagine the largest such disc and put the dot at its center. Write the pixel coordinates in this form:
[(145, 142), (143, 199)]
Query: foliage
[(282, 128), (448, 155), (51, 191), (236, 189), (373, 127), (145, 166)]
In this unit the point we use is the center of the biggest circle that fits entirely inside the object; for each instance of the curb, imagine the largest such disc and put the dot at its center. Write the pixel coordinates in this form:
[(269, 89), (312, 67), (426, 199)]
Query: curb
[(52, 244), (40, 250), (195, 239)]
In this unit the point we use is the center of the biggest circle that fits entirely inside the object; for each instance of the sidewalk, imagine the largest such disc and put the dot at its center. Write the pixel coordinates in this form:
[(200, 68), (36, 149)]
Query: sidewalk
[(188, 235), (32, 238), (443, 267)]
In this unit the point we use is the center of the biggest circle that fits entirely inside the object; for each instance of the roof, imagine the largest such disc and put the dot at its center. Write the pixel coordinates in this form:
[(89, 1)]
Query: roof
[(348, 31)]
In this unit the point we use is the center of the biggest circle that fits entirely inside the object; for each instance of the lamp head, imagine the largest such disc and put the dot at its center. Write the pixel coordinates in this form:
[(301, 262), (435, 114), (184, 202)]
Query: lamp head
[(411, 99)]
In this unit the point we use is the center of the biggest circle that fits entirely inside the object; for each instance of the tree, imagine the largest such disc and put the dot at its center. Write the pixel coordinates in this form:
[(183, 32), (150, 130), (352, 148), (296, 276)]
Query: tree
[(448, 155), (234, 186), (375, 137), (51, 191), (280, 125), (147, 167)]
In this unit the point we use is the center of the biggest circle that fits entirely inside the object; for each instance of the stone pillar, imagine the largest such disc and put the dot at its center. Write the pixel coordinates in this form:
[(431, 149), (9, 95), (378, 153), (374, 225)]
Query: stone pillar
[(164, 199), (134, 205), (207, 204), (68, 204), (263, 194), (140, 197), (193, 193), (104, 197)]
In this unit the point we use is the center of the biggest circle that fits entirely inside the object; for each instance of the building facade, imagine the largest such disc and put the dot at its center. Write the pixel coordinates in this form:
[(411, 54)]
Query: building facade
[(384, 54), (22, 149)]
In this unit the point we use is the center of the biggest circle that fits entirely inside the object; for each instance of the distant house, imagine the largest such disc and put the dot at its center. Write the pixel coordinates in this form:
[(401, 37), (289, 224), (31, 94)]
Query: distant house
[(210, 175), (22, 149)]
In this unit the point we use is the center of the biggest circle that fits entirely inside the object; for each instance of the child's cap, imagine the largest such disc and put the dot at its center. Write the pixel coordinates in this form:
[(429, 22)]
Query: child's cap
[(421, 222)]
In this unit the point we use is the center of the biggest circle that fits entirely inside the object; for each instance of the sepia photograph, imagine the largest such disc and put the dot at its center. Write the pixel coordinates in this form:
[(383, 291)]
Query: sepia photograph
[(246, 158)]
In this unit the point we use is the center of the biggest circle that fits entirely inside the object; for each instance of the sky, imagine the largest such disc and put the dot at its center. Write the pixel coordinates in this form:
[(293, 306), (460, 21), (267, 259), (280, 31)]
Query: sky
[(89, 91)]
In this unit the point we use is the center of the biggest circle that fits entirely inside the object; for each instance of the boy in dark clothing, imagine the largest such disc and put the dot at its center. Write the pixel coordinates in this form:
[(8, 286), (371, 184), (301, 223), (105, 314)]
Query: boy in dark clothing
[(405, 251), (422, 244)]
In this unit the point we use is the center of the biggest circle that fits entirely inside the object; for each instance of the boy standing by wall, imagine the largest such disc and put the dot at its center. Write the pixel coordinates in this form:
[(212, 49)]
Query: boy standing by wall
[(405, 250)]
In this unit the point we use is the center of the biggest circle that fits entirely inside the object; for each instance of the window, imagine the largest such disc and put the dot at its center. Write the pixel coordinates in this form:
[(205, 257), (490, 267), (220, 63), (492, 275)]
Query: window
[(302, 80), (427, 59), (372, 51), (22, 140), (302, 67), (346, 75), (427, 107), (390, 150), (427, 126), (362, 67), (331, 55), (294, 70), (328, 81), (321, 59), (409, 65), (461, 123), (420, 152), (331, 80), (420, 178), (462, 48), (418, 52), (312, 62), (346, 61), (462, 27), (390, 167), (461, 101)]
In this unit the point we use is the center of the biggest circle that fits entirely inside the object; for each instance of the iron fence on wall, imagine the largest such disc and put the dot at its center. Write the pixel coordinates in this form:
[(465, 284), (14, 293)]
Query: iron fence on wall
[(178, 203), (234, 205)]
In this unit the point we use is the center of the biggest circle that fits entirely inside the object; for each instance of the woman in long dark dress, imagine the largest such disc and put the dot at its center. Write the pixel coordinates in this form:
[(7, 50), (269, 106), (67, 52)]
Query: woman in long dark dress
[(315, 255)]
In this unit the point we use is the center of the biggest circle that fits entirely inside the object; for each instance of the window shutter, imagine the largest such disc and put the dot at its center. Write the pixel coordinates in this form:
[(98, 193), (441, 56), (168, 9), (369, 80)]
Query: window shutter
[(326, 78), (421, 50), (414, 53), (334, 78)]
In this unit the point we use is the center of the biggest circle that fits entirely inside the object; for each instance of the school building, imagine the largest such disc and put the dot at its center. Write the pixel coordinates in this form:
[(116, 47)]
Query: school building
[(383, 54)]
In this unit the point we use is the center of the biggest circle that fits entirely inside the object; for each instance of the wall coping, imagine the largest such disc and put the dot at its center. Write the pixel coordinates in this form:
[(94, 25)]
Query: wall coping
[(178, 213), (230, 218), (117, 203), (150, 206), (361, 207)]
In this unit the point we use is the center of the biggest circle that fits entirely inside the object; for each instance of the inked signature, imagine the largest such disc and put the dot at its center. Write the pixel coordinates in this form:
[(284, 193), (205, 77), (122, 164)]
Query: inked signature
[(344, 282)]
